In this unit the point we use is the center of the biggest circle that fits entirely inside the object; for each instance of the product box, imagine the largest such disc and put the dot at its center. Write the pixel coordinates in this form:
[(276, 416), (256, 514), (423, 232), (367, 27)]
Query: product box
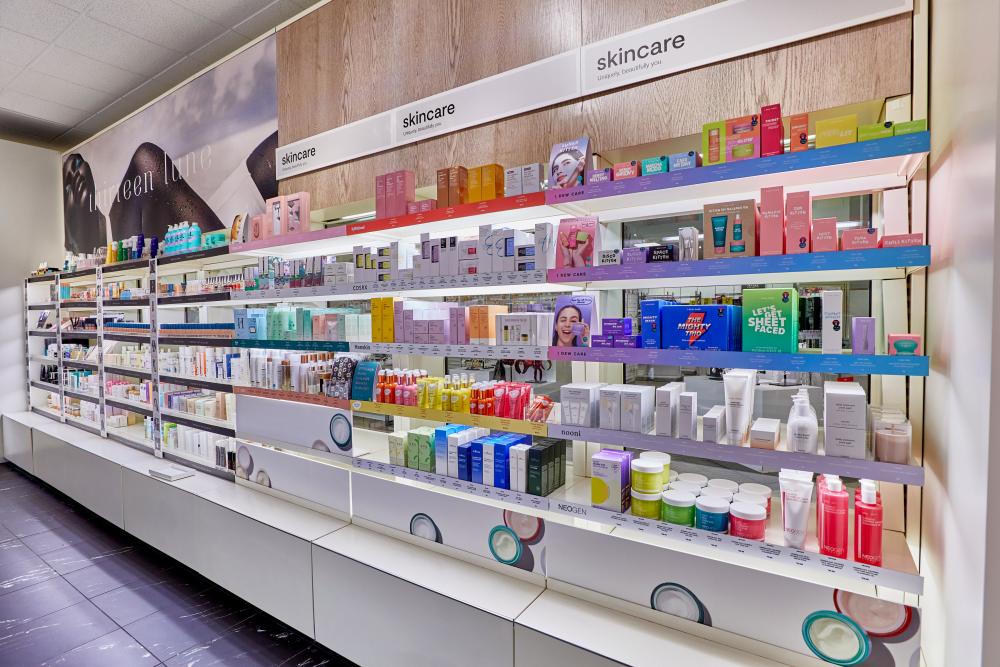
[(492, 182), (474, 183), (900, 240), (512, 182), (624, 170), (655, 165), (713, 143), (610, 482), (798, 222), (578, 242), (637, 403), (667, 401), (875, 131), (713, 424), (277, 216), (910, 126), (458, 185), (863, 335), (681, 161), (405, 191), (730, 229), (845, 406), (579, 403), (845, 442), (609, 407), (771, 229), (798, 133), (568, 160), (662, 253), (442, 188), (627, 341), (770, 320), (599, 176), (837, 131), (638, 255), (905, 344), (531, 178), (618, 326), (687, 415), (380, 197), (742, 138), (859, 239), (649, 322), (833, 319), (602, 341), (703, 327), (764, 433), (609, 258), (772, 131), (824, 235), (545, 246)]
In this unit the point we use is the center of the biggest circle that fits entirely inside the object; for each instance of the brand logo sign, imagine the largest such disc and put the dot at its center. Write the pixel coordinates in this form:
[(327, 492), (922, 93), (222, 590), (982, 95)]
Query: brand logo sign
[(722, 31)]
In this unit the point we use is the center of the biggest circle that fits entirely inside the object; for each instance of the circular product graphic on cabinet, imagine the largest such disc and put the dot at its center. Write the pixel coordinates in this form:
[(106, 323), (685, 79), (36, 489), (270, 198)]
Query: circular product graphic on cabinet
[(835, 638), (879, 618), (263, 478), (505, 545), (677, 600), (423, 526), (244, 461), (340, 431), (320, 446), (529, 528)]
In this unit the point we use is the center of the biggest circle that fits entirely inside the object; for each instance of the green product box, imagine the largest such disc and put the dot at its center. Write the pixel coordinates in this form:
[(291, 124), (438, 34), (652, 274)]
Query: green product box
[(425, 449), (875, 131), (655, 165), (535, 467), (770, 320), (413, 449), (910, 126), (713, 143)]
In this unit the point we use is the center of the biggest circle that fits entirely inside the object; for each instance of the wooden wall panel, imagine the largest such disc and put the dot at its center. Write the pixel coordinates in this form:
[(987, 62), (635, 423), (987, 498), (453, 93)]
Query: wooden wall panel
[(350, 59)]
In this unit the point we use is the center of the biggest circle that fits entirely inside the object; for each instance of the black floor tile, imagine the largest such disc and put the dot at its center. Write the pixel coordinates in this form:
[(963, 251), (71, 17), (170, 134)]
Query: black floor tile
[(36, 641), (260, 640), (36, 601), (116, 649), (107, 575), (24, 573), (316, 655), (13, 551), (23, 523), (83, 554), (130, 603)]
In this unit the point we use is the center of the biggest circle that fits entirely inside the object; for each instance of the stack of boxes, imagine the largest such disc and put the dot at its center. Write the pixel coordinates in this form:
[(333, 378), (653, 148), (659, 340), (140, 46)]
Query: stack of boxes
[(394, 193), (522, 180), (301, 324), (616, 332), (845, 420)]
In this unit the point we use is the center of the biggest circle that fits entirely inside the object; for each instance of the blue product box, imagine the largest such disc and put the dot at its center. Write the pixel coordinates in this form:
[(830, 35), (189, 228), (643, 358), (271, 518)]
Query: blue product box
[(707, 327), (476, 461), (441, 434), (688, 160), (649, 324), (501, 470), (617, 326), (628, 341), (465, 462), (601, 340)]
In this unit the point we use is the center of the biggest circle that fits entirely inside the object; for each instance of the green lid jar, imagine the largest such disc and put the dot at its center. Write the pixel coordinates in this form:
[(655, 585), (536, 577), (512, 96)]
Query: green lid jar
[(677, 507), (646, 505)]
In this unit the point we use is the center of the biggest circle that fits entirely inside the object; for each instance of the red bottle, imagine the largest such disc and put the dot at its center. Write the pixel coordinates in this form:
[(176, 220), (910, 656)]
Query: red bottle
[(868, 526), (833, 519)]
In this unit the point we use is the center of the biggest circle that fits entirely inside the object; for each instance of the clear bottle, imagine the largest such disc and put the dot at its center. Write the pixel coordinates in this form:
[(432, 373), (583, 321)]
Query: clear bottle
[(803, 427)]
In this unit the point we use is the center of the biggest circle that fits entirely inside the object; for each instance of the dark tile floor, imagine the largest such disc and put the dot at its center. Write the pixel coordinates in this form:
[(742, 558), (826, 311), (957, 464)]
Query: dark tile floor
[(76, 591)]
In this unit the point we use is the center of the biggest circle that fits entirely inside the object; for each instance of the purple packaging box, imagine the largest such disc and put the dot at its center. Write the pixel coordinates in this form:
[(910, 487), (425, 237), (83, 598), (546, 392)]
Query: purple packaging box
[(599, 340), (863, 335), (628, 341), (635, 255), (617, 326), (599, 176), (688, 160)]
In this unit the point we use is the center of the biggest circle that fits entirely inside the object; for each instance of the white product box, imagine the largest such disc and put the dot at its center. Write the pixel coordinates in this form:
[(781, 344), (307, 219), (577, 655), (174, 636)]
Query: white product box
[(845, 405), (609, 407), (637, 408), (531, 178), (488, 463), (687, 415), (579, 403), (609, 257), (512, 182), (833, 321), (713, 424), (764, 433), (667, 403), (545, 246), (846, 442), (484, 249)]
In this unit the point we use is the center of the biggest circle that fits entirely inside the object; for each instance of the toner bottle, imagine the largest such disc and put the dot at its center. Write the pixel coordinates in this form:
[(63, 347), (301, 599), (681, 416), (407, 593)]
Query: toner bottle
[(868, 526)]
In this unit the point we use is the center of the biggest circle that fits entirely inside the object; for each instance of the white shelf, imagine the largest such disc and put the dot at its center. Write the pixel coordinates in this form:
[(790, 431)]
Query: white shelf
[(126, 404), (134, 434)]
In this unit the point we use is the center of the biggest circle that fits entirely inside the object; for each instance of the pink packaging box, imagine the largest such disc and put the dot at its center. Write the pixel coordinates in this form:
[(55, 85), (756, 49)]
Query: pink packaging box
[(276, 211), (859, 239), (742, 138), (380, 196), (772, 132), (412, 207), (404, 191), (390, 194), (824, 235), (905, 344), (625, 170), (425, 205), (578, 242), (420, 338), (900, 240), (798, 222), (297, 209), (771, 233)]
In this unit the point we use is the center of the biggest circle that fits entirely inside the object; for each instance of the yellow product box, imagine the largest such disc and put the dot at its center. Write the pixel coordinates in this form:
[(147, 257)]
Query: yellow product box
[(837, 131), (388, 320), (376, 308), (474, 183), (492, 182)]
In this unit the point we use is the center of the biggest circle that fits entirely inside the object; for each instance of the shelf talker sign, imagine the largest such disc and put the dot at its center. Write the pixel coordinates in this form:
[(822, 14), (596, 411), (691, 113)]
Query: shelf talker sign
[(713, 34)]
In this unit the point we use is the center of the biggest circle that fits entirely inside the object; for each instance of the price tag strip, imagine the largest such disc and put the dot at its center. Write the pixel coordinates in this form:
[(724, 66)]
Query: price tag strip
[(764, 552)]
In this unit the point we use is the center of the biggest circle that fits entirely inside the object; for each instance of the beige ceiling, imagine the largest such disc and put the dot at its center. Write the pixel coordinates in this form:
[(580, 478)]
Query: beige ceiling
[(70, 68)]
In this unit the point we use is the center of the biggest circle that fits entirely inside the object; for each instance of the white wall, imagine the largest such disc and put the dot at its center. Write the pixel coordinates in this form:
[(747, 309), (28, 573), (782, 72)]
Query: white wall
[(960, 515), (31, 230)]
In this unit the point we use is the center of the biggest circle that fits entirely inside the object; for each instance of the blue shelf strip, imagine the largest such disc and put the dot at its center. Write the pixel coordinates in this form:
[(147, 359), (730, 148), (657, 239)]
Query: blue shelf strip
[(856, 364)]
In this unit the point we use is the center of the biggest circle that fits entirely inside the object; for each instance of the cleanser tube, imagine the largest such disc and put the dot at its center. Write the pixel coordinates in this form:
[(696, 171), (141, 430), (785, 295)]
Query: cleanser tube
[(719, 233), (736, 384), (796, 497)]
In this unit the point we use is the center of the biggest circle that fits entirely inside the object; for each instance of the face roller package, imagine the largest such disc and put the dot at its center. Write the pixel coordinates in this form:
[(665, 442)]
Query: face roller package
[(609, 407), (688, 237), (833, 321), (667, 407), (863, 335)]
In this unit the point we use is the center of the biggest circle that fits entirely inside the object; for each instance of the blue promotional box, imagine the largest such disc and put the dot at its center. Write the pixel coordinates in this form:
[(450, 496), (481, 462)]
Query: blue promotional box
[(465, 462), (476, 461), (704, 327), (501, 469), (649, 322)]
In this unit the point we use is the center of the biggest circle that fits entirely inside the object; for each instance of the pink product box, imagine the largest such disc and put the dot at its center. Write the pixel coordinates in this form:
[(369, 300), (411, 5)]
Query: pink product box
[(425, 205), (390, 194), (625, 170), (459, 325), (405, 191), (412, 207), (276, 222), (297, 210), (599, 176), (798, 222), (634, 255), (905, 344), (420, 338), (859, 239), (772, 132), (380, 196), (627, 341), (598, 340), (824, 235), (900, 240), (771, 231)]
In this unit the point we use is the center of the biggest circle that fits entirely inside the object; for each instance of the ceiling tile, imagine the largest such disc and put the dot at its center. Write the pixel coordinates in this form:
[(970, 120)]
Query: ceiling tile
[(7, 72), (20, 128), (18, 48), (61, 91), (163, 23), (225, 12), (36, 107), (267, 18), (75, 5), (40, 19), (86, 71), (218, 48), (116, 47)]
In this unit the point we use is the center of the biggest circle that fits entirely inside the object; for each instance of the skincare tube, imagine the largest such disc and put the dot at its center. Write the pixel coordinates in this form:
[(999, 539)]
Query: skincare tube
[(796, 497), (719, 233), (736, 384)]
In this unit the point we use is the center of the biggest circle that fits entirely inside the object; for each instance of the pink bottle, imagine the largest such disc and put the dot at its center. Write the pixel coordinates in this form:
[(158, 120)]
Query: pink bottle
[(833, 519), (820, 489), (868, 526)]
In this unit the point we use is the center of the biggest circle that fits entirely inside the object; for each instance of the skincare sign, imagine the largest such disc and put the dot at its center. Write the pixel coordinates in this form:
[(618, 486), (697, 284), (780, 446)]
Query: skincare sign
[(709, 35)]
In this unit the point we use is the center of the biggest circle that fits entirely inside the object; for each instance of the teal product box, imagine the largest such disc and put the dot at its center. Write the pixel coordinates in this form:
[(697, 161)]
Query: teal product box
[(679, 161), (363, 382), (770, 320), (702, 327), (649, 322), (250, 323), (476, 461), (655, 165)]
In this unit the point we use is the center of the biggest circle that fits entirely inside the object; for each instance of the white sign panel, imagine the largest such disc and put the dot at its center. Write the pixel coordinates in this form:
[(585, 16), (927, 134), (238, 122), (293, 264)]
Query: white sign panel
[(713, 34)]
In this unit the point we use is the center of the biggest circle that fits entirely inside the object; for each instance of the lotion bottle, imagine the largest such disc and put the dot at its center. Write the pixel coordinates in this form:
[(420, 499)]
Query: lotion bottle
[(802, 427), (833, 517), (868, 526)]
